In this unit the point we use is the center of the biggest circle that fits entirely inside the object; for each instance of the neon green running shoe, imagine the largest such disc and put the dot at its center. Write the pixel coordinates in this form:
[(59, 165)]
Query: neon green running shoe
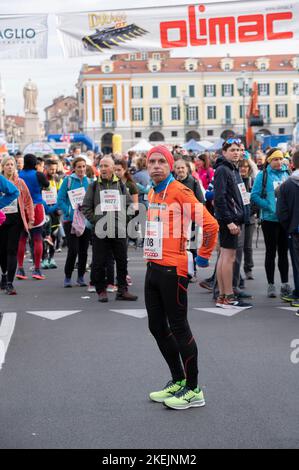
[(289, 298), (168, 391), (185, 398)]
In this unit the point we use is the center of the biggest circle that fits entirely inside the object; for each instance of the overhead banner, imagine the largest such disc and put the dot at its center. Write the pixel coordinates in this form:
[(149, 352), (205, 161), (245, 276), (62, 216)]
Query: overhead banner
[(23, 36), (211, 29)]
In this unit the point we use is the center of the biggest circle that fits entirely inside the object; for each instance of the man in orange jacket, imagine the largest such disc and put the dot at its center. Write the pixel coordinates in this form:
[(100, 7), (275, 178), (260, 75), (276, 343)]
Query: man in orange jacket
[(172, 207)]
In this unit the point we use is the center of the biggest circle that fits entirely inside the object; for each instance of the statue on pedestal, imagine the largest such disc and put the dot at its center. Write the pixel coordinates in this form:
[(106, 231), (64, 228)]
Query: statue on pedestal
[(30, 94)]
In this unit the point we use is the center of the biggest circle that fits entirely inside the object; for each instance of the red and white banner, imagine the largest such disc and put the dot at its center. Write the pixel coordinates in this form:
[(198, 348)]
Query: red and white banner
[(206, 29), (23, 36)]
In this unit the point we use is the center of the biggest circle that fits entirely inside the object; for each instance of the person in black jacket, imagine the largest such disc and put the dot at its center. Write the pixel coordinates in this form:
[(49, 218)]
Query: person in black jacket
[(104, 206), (182, 172), (230, 203), (287, 210)]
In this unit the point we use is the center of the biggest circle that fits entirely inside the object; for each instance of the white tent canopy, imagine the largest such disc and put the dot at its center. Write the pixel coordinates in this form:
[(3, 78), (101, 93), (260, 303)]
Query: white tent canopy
[(142, 146), (198, 146)]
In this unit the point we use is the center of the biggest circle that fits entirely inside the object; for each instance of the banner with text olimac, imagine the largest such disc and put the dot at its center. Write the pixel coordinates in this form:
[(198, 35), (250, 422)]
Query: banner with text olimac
[(212, 29)]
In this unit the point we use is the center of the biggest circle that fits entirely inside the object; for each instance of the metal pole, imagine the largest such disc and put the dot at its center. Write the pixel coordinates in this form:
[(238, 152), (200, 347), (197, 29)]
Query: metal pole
[(244, 129)]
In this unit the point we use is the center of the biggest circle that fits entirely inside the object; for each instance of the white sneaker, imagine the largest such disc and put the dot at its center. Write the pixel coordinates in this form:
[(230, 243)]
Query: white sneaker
[(271, 293), (111, 288), (91, 288)]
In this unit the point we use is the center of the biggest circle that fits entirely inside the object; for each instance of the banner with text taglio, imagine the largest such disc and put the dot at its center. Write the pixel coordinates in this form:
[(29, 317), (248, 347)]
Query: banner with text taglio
[(205, 29), (23, 36)]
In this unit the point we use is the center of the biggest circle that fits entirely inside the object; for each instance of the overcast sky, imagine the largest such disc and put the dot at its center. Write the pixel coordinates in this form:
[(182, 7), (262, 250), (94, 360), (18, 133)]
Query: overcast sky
[(55, 75)]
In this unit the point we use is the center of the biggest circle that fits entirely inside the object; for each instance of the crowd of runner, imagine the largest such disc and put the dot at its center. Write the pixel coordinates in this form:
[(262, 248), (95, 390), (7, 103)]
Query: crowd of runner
[(176, 205), (240, 189)]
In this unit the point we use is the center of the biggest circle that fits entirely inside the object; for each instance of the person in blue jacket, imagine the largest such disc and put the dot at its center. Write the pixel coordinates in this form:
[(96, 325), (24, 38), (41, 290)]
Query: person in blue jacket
[(36, 182), (76, 184), (8, 192), (264, 195)]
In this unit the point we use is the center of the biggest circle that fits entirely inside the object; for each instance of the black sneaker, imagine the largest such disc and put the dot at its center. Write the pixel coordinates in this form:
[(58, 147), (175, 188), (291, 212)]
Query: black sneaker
[(242, 294), (3, 283), (103, 296), (10, 290), (234, 302)]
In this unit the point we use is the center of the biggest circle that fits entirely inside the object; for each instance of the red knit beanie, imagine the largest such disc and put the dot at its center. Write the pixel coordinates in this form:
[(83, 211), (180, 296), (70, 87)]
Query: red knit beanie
[(163, 151)]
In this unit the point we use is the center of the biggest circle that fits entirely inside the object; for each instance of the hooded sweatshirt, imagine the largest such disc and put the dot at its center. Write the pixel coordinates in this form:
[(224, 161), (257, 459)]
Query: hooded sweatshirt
[(228, 202), (288, 203)]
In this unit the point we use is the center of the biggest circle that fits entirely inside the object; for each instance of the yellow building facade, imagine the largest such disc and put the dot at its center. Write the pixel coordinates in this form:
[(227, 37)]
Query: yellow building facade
[(163, 99)]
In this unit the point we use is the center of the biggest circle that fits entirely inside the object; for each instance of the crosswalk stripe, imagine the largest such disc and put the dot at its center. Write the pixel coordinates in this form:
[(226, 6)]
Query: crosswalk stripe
[(53, 314), (7, 327), (226, 312), (137, 313)]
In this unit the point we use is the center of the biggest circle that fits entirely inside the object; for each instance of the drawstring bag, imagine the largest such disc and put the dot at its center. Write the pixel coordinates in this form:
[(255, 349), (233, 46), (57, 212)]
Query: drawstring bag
[(2, 217), (78, 224)]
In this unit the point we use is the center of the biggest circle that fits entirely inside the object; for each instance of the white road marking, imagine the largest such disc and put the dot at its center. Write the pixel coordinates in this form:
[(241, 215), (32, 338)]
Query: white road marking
[(54, 314), (137, 313), (227, 312), (7, 327), (293, 309)]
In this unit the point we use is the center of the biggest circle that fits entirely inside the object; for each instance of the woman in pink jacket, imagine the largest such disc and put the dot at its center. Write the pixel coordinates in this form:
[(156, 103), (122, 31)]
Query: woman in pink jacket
[(204, 169), (19, 217)]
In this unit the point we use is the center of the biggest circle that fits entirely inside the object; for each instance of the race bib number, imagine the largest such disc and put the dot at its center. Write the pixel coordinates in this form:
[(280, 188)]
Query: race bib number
[(110, 200), (153, 241), (12, 208), (50, 196), (76, 197), (244, 194)]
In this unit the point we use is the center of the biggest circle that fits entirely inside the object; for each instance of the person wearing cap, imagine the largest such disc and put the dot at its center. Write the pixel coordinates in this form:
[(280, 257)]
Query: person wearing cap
[(172, 206), (264, 195)]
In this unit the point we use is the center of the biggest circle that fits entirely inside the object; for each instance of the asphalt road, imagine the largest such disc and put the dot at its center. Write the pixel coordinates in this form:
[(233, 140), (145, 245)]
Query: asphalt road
[(82, 380)]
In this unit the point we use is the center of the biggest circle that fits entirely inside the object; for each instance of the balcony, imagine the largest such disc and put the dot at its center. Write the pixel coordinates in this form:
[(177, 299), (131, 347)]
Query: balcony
[(192, 122), (228, 121), (107, 98), (156, 123), (108, 124)]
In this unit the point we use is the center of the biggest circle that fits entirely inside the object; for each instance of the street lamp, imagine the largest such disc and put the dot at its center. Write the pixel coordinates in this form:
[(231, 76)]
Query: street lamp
[(242, 81), (185, 105)]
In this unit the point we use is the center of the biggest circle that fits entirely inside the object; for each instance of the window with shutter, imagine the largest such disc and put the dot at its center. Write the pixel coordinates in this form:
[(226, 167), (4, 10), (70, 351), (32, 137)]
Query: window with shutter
[(173, 91)]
